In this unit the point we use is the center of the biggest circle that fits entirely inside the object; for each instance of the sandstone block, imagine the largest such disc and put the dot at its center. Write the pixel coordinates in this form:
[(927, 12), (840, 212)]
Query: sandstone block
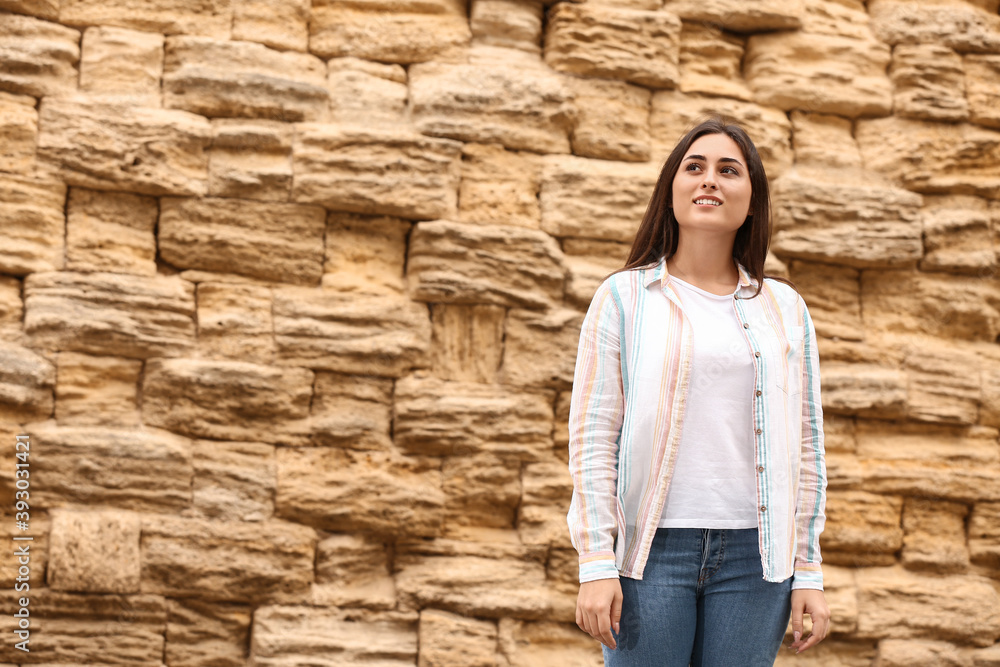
[(39, 56), (588, 263), (235, 321), (365, 254), (117, 147), (343, 490), (108, 313), (982, 89), (111, 231), (986, 657), (935, 535), (285, 635), (458, 263), (412, 32), (345, 168), (594, 199), (450, 640), (955, 24), (825, 143), (819, 73), (243, 79), (94, 552), (32, 224), (366, 92), (929, 83), (353, 571), (97, 390), (865, 389), (349, 333), (352, 411), (499, 186), (250, 159), (629, 44), (944, 384), (200, 633), (857, 225), (481, 489), (122, 65), (741, 16), (145, 470), (938, 157), (520, 105), (11, 307), (540, 348), (511, 24), (89, 629), (842, 596), (266, 240), (831, 652), (41, 530), (905, 653), (711, 61), (960, 464), (984, 534), (896, 604), (932, 303), (455, 418), (45, 9), (280, 25), (613, 120), (989, 410), (18, 132), (228, 400), (252, 561), (26, 383), (862, 529), (536, 644), (212, 18), (467, 342), (833, 294), (672, 114), (233, 481), (957, 235), (544, 503)]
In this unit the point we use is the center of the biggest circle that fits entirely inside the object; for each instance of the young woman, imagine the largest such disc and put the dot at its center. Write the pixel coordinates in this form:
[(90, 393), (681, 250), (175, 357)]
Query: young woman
[(696, 431)]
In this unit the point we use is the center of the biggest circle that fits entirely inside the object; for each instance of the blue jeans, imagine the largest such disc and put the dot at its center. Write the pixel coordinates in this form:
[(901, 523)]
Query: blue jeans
[(702, 601)]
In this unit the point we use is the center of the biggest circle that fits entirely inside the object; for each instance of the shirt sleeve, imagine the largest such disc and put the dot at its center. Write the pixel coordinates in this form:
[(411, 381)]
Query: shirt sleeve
[(810, 509), (595, 421)]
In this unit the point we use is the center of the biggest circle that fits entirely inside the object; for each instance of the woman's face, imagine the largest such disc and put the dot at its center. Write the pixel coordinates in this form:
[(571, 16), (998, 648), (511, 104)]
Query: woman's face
[(711, 190)]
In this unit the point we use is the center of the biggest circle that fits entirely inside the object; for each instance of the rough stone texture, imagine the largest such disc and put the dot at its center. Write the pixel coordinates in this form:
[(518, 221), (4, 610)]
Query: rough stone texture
[(543, 643), (449, 639), (863, 529), (32, 224), (929, 83), (900, 653), (253, 562), (249, 158), (348, 333), (107, 313), (515, 24), (481, 489), (519, 104), (449, 262), (94, 552), (26, 383), (228, 400), (833, 294), (18, 130), (280, 25), (547, 488), (957, 235), (467, 342), (953, 23), (982, 86), (97, 390), (39, 56), (629, 44), (144, 469), (499, 186), (118, 147), (122, 65), (741, 16), (202, 633), (235, 321), (589, 262), (352, 411), (11, 308), (298, 635), (365, 254), (541, 348), (984, 534), (233, 480), (343, 168), (612, 121), (353, 571), (111, 231), (242, 79), (212, 18), (366, 92), (711, 61), (279, 242), (935, 535)]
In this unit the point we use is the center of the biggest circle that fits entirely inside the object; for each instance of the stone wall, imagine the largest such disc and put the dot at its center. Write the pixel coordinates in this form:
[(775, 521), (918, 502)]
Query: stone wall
[(290, 295)]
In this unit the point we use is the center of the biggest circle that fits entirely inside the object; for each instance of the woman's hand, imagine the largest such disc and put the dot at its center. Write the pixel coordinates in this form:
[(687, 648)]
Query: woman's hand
[(599, 608), (812, 602)]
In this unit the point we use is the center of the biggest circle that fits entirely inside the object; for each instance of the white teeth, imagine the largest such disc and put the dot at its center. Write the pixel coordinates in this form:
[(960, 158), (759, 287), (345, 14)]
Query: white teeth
[(708, 201)]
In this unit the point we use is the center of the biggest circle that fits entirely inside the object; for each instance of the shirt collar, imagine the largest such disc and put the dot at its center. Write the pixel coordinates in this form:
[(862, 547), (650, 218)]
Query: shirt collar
[(659, 272)]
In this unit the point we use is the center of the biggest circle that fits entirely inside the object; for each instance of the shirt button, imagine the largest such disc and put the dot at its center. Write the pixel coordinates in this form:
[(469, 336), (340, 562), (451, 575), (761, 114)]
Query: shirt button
[(758, 392), (756, 354), (760, 468), (746, 326), (758, 431), (763, 508)]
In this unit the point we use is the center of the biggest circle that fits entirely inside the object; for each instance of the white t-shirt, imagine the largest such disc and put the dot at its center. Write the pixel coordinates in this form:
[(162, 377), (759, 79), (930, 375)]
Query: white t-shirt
[(714, 480)]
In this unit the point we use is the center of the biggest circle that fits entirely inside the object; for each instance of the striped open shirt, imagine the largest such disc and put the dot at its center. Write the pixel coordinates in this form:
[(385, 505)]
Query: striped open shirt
[(629, 389)]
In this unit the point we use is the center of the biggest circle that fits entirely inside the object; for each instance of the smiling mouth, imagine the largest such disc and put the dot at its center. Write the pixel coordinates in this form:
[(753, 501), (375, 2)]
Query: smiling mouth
[(709, 202)]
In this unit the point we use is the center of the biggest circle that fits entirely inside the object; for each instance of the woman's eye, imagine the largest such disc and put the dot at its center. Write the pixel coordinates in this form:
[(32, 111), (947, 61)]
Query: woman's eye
[(731, 170), (692, 167)]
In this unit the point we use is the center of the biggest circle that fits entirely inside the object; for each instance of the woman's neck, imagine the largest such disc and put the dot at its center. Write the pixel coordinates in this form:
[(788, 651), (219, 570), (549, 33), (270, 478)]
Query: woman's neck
[(708, 266)]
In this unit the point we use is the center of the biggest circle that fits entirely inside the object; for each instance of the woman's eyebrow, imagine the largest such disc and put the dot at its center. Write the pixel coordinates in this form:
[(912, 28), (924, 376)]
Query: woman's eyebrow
[(721, 159)]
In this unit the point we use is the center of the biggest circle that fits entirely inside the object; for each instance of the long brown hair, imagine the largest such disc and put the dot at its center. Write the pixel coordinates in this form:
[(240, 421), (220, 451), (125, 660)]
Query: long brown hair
[(658, 232)]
